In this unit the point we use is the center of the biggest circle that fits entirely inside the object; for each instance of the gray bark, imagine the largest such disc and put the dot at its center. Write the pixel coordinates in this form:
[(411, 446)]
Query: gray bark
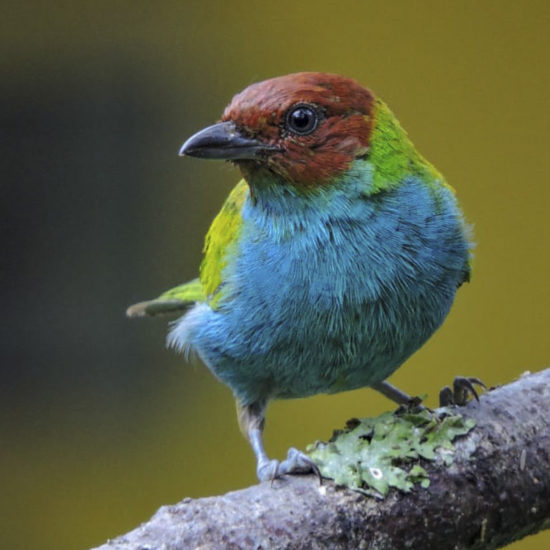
[(499, 494)]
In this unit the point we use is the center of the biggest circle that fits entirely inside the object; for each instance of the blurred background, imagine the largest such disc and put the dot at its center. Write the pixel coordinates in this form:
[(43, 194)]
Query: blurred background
[(99, 423)]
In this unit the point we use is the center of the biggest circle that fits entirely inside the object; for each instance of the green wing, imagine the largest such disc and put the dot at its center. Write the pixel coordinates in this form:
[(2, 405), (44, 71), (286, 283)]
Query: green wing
[(175, 300), (219, 243)]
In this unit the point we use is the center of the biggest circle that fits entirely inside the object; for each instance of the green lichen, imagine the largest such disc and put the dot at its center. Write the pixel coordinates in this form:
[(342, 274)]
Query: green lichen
[(374, 454)]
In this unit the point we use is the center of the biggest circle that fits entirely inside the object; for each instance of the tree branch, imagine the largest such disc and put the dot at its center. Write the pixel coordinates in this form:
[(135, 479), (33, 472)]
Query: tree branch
[(499, 494)]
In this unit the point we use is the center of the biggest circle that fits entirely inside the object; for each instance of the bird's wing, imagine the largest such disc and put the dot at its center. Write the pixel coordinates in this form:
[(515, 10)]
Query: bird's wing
[(220, 240), (175, 300)]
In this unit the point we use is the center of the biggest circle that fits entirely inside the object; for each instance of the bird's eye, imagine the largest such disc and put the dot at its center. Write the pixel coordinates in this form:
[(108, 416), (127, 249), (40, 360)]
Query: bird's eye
[(302, 119)]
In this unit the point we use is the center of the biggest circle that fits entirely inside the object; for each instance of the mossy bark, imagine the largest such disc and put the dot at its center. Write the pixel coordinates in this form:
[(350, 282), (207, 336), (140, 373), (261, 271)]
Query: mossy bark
[(484, 500)]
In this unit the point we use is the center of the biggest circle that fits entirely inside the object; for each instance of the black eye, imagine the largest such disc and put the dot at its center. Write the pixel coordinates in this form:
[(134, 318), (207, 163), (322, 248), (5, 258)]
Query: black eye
[(302, 119)]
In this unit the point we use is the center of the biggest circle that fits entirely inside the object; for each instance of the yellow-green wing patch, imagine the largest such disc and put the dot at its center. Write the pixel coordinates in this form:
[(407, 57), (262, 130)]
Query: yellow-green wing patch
[(175, 300), (223, 233), (221, 237)]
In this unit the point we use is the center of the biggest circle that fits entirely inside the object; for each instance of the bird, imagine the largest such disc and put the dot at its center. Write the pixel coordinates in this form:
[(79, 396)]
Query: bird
[(334, 258)]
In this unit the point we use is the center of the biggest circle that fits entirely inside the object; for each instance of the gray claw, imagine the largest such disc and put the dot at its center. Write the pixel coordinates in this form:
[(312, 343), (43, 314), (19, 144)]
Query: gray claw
[(446, 397), (297, 462), (463, 388), (268, 471)]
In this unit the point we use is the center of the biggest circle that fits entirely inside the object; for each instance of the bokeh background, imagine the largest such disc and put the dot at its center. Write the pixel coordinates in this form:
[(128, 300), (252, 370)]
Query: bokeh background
[(99, 424)]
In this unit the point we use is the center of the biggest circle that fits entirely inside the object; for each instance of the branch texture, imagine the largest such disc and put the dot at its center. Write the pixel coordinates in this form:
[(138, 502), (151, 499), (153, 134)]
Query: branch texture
[(485, 500)]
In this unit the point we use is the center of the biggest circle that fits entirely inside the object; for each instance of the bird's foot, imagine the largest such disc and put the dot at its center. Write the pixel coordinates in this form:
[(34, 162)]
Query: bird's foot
[(296, 462), (405, 401), (267, 470), (463, 388), (414, 405)]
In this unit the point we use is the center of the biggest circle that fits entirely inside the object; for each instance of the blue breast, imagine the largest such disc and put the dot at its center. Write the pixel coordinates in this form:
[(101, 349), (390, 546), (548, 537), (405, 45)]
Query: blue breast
[(331, 292)]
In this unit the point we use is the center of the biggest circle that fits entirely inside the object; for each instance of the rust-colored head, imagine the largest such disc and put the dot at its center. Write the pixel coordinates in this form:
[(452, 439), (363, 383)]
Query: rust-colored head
[(316, 123), (306, 127)]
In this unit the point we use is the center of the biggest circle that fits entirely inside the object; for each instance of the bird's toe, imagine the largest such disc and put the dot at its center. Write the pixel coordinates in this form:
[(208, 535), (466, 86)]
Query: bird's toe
[(297, 462), (463, 388), (268, 470)]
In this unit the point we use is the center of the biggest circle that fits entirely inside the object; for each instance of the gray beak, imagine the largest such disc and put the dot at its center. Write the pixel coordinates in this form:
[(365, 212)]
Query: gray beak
[(224, 141)]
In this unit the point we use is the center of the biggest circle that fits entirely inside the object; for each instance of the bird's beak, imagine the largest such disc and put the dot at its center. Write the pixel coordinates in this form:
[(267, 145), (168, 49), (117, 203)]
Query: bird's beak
[(224, 141)]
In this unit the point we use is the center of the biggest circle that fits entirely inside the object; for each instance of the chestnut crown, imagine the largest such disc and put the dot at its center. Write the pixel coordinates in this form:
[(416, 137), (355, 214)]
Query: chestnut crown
[(316, 123), (306, 128)]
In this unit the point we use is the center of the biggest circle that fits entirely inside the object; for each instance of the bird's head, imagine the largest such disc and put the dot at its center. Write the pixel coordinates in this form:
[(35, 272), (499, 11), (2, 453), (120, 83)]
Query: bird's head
[(306, 128)]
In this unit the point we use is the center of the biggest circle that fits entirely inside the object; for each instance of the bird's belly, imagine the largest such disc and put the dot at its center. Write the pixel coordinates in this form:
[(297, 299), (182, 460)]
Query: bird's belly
[(299, 350), (286, 339), (333, 309)]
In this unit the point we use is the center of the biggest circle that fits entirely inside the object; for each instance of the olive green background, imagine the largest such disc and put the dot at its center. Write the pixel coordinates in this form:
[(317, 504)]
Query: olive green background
[(99, 424)]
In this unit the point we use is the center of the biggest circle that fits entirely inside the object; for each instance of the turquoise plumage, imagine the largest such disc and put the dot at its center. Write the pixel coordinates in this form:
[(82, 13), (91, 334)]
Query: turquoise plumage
[(336, 257)]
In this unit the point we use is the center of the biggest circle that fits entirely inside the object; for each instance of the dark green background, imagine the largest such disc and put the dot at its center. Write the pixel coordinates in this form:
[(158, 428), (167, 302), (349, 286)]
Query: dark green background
[(100, 425)]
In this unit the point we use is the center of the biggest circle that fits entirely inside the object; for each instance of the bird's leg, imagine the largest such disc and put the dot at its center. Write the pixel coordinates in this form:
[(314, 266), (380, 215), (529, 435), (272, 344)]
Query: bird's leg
[(463, 387), (395, 394), (251, 421)]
